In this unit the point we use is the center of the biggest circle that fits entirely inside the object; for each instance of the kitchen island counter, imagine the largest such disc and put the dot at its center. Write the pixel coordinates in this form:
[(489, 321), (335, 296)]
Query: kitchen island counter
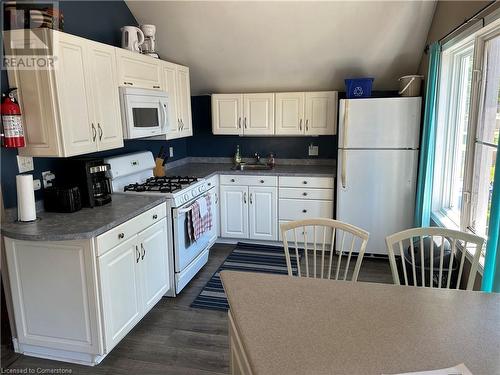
[(83, 224)]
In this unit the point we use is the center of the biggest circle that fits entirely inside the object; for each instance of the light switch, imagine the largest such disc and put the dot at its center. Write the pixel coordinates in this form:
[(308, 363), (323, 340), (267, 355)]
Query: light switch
[(24, 163)]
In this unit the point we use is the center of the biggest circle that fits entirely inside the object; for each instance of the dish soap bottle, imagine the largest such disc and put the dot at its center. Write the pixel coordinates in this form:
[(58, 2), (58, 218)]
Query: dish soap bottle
[(237, 155)]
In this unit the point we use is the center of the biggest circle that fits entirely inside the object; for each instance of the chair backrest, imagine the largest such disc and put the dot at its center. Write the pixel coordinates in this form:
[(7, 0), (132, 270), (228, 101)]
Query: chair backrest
[(316, 238), (414, 266)]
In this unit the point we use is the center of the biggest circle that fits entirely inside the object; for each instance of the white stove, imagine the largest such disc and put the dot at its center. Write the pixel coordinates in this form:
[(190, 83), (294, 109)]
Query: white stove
[(133, 174)]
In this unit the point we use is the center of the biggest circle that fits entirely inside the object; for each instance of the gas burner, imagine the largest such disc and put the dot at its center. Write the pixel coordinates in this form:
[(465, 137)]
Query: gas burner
[(162, 184)]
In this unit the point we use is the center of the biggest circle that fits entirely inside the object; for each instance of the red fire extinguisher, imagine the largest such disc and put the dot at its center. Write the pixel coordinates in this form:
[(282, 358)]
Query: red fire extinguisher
[(12, 122)]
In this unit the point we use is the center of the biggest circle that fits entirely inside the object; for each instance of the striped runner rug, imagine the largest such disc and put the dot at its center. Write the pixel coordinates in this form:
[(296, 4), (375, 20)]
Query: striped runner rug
[(246, 258)]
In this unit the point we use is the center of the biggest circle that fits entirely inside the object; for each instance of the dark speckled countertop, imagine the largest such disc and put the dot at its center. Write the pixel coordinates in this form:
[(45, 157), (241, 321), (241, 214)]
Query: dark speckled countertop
[(205, 170), (83, 224)]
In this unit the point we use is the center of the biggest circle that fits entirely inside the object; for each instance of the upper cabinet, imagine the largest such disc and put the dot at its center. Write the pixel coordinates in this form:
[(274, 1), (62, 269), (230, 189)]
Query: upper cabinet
[(320, 112), (291, 113), (74, 108), (306, 113), (138, 70), (175, 81), (243, 114)]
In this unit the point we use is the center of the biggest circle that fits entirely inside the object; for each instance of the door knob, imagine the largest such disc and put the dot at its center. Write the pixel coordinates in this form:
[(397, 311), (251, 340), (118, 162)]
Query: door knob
[(121, 235)]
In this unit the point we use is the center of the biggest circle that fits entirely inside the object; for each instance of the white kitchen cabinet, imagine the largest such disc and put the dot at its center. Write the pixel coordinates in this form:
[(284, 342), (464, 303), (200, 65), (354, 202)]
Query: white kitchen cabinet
[(290, 107), (138, 70), (263, 216), (243, 114), (249, 207), (72, 109), (213, 183), (320, 113), (48, 313), (184, 101), (227, 113), (74, 300), (258, 114), (154, 260), (120, 290), (287, 113), (234, 211), (102, 61), (176, 83)]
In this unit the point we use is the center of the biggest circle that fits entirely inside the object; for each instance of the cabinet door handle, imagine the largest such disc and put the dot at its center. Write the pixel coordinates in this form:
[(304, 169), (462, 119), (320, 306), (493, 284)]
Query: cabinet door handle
[(232, 180), (100, 131), (307, 125), (216, 198), (178, 124), (304, 182), (245, 198), (155, 216), (304, 211), (304, 194), (300, 124), (245, 122), (261, 181), (138, 254), (94, 133), (143, 251), (121, 236), (156, 86), (128, 83), (251, 202), (239, 122)]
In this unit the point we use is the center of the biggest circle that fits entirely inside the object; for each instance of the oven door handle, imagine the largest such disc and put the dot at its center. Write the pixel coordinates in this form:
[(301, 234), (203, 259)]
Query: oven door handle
[(182, 210)]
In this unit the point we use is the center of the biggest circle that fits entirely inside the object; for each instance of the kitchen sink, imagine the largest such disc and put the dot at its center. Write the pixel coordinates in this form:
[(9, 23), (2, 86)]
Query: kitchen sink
[(252, 167)]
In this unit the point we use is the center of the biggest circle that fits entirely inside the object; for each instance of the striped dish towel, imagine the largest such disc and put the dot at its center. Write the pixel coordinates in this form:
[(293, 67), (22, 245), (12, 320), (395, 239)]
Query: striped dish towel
[(197, 224)]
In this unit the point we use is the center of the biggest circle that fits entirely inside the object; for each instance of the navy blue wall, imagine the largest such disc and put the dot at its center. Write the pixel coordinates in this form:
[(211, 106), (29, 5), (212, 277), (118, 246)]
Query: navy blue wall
[(100, 21), (204, 143)]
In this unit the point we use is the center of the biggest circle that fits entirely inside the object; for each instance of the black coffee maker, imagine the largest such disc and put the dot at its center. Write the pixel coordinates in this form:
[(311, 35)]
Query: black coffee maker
[(91, 176)]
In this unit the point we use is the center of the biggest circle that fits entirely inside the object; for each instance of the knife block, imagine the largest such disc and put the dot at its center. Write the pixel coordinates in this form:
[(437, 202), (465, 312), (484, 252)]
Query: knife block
[(158, 170)]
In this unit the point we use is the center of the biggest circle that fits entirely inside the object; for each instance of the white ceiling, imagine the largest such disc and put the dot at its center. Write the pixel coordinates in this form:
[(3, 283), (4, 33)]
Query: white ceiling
[(279, 46)]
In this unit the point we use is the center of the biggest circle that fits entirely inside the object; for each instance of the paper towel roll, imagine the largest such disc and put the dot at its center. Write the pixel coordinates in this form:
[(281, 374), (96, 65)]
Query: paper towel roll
[(26, 210)]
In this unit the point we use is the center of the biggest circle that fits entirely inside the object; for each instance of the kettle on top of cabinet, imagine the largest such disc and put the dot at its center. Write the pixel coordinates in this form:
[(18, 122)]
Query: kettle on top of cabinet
[(132, 38)]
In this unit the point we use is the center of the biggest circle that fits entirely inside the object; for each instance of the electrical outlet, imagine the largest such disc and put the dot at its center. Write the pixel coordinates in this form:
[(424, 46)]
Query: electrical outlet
[(313, 150), (171, 152), (47, 178), (24, 163), (37, 184)]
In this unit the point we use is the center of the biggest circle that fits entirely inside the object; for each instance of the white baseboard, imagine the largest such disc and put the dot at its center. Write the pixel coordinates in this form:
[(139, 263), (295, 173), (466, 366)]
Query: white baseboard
[(57, 354)]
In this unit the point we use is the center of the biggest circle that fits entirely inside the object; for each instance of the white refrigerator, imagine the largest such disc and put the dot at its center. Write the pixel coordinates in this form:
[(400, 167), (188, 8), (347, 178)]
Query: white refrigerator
[(377, 165)]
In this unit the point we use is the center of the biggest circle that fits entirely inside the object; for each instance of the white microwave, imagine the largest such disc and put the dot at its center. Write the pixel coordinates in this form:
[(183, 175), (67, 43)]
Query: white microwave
[(144, 112)]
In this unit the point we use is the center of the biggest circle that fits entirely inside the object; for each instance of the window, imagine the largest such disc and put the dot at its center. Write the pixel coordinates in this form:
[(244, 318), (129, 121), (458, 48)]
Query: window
[(486, 140), (468, 126), (452, 130)]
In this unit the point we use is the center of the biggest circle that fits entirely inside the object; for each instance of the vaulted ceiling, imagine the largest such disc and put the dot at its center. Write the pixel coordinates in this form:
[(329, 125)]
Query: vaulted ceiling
[(253, 46)]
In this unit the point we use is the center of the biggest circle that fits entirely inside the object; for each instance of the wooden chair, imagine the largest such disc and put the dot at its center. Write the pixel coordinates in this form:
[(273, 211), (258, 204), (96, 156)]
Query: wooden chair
[(317, 238), (411, 238)]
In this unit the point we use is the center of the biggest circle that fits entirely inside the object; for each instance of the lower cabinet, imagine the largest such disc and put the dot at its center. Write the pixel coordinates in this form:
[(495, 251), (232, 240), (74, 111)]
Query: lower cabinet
[(249, 212), (133, 278), (74, 300)]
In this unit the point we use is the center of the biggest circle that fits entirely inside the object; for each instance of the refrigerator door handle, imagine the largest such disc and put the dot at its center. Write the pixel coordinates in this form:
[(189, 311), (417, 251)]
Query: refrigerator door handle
[(343, 171), (344, 127)]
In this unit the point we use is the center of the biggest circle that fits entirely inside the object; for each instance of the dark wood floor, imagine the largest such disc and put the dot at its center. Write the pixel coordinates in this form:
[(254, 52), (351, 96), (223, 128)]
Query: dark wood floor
[(174, 338)]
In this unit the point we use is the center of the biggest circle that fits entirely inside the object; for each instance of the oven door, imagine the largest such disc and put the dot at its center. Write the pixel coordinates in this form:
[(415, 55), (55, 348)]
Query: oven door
[(145, 115), (185, 250)]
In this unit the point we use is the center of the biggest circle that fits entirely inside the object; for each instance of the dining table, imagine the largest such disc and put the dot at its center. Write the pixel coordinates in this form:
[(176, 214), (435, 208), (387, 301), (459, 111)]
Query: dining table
[(281, 324)]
